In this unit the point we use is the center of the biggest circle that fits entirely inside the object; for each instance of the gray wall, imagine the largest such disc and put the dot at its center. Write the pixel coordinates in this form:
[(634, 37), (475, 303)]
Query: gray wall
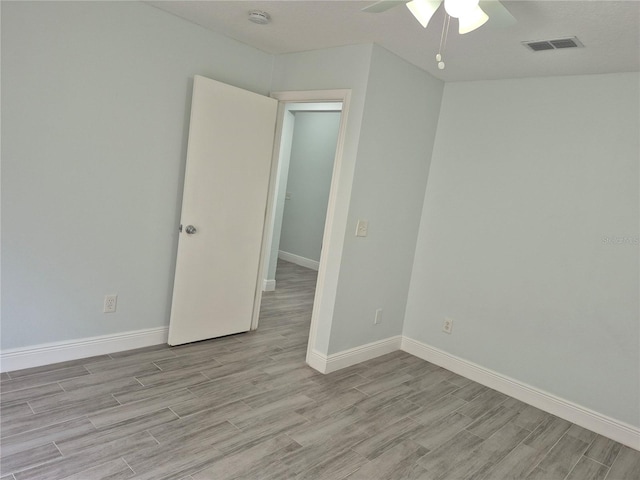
[(396, 140), (391, 126), (530, 181), (333, 68), (95, 105), (313, 150)]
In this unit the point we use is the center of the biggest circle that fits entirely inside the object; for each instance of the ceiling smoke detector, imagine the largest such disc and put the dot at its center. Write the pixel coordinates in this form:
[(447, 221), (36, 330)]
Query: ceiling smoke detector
[(259, 17)]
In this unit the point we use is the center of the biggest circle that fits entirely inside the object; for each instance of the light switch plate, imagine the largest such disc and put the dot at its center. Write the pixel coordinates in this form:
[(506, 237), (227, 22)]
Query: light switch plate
[(362, 229)]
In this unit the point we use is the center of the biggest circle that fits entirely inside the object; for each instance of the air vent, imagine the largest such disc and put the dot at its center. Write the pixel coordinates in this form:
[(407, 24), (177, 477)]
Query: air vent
[(571, 42), (539, 46)]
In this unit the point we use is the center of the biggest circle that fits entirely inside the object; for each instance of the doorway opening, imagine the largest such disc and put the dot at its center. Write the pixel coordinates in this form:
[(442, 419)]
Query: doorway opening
[(307, 154), (305, 173)]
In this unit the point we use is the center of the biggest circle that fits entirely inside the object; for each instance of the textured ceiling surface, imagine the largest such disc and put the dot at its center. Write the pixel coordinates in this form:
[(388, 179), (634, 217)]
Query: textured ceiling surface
[(609, 30)]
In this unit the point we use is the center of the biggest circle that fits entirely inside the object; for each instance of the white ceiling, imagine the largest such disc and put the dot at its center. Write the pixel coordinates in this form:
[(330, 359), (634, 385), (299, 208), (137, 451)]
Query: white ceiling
[(609, 30)]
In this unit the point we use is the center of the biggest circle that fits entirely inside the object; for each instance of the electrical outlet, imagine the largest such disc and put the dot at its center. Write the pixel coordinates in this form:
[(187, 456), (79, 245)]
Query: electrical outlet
[(110, 303), (447, 326), (378, 318)]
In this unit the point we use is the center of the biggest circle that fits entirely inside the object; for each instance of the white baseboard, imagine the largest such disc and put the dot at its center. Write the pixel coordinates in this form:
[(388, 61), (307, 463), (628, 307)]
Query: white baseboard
[(582, 416), (44, 354), (609, 427), (268, 285), (317, 361), (47, 353), (298, 260), (346, 358)]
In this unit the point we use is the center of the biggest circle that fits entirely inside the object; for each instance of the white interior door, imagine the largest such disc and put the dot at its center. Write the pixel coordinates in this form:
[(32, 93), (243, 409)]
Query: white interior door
[(231, 136)]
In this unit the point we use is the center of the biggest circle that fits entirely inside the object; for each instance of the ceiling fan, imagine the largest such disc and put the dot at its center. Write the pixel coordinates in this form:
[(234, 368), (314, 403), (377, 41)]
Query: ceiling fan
[(471, 14)]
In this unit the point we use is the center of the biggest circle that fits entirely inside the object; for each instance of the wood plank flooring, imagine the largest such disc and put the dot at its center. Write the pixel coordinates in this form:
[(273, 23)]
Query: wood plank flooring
[(247, 407)]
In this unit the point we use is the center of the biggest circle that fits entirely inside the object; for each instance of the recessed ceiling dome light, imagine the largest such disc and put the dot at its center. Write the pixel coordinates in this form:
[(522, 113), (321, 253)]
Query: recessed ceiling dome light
[(259, 17)]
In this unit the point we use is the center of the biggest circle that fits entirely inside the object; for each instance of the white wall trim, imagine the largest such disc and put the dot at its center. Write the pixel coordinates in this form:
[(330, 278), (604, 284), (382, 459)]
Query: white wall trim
[(317, 361), (582, 416), (327, 277), (609, 427), (346, 358), (298, 260), (45, 354), (268, 285), (48, 353)]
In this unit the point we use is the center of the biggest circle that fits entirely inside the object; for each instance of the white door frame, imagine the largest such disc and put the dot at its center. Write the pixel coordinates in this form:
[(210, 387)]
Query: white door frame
[(276, 220), (308, 96)]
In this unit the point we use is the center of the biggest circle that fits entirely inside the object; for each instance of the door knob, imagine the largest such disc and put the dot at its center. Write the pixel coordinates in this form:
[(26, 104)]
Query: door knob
[(190, 230)]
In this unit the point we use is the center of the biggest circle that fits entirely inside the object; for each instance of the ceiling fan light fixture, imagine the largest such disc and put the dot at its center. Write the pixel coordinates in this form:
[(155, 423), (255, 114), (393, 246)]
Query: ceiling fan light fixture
[(473, 20), (460, 8), (423, 10)]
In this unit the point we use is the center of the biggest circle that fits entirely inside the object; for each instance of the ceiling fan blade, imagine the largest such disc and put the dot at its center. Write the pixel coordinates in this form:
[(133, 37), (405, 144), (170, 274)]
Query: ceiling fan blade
[(499, 16), (383, 6)]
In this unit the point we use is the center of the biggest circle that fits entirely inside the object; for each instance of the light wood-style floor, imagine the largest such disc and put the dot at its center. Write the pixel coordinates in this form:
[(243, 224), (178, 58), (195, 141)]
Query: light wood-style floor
[(248, 407)]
